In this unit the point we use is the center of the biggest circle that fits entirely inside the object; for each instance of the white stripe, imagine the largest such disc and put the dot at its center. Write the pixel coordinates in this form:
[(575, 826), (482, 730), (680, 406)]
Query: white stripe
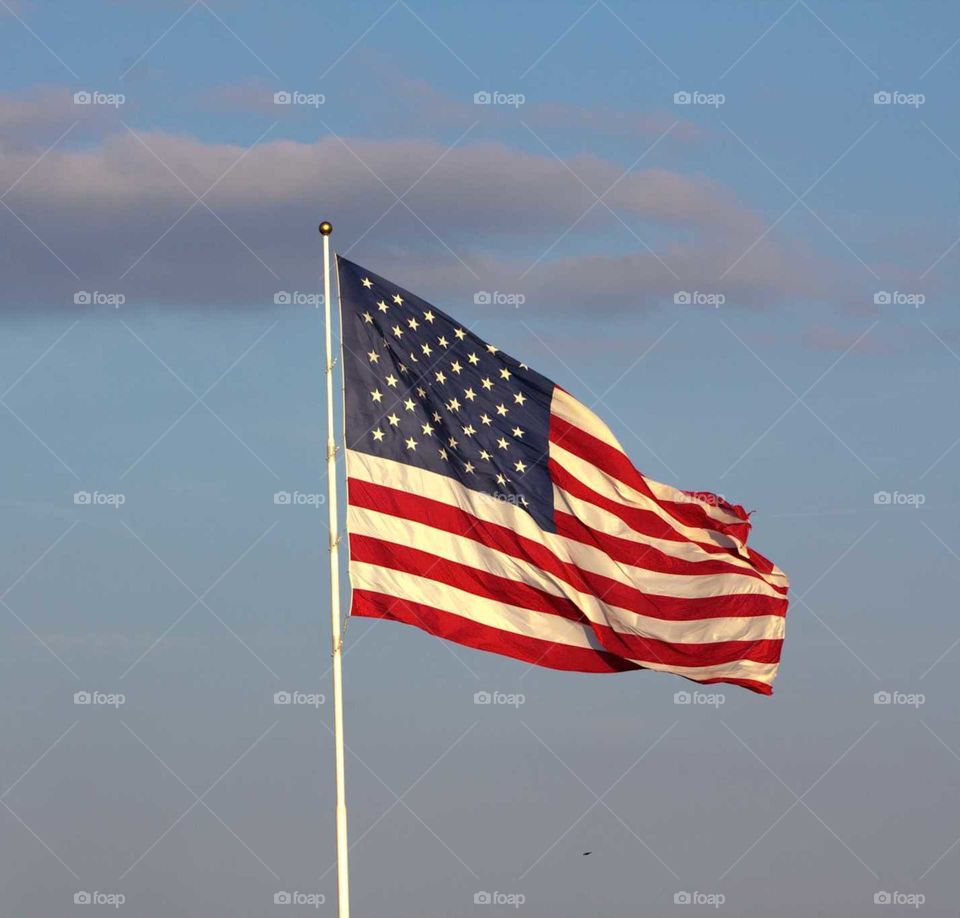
[(442, 488), (574, 412), (512, 619), (566, 407), (594, 517), (461, 550), (613, 489)]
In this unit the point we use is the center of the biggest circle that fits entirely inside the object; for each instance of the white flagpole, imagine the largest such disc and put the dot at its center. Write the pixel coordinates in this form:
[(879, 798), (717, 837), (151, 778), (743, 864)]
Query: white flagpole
[(343, 877)]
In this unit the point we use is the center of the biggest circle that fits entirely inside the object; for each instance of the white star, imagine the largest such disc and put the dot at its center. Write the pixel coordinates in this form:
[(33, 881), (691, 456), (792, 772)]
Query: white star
[(368, 318), (427, 429), (402, 368), (378, 435), (456, 366), (520, 466), (523, 366), (452, 443), (398, 331), (392, 381), (428, 315), (502, 443), (473, 358), (393, 419), (443, 341), (485, 419), (517, 432), (468, 466), (436, 416), (441, 377), (492, 349), (413, 323), (443, 453), (469, 394), (397, 299), (469, 430), (504, 373), (421, 392), (411, 443), (453, 405), (460, 334), (409, 404), (519, 398), (485, 455), (367, 282), (501, 480), (427, 350), (373, 356), (486, 382), (382, 306), (501, 409), (376, 395)]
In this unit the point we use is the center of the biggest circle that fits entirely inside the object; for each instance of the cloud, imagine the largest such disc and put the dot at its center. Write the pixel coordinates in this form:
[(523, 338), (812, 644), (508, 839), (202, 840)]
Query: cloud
[(407, 103), (38, 116), (121, 215)]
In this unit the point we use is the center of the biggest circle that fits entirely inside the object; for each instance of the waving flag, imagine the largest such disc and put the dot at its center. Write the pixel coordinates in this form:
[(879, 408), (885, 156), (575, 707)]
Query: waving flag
[(489, 507)]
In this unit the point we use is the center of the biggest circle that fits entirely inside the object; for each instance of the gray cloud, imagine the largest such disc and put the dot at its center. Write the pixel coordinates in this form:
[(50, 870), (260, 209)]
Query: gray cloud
[(121, 215)]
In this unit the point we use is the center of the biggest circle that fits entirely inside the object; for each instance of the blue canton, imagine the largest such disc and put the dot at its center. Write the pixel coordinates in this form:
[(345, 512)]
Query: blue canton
[(422, 390)]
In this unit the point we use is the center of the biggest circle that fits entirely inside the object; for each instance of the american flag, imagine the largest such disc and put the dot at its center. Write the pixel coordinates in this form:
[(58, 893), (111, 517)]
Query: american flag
[(489, 507)]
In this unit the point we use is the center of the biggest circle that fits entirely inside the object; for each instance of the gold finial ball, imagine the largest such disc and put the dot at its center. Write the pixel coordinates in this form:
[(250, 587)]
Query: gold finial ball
[(326, 228)]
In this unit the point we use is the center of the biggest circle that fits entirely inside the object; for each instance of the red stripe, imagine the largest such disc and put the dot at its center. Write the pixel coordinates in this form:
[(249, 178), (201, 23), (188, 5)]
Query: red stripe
[(481, 637), (637, 554), (502, 589), (453, 520), (613, 462), (761, 688), (641, 521), (439, 623)]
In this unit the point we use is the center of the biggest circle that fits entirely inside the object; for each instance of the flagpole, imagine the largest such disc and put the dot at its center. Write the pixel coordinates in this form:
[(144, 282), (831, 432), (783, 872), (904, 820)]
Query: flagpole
[(343, 877)]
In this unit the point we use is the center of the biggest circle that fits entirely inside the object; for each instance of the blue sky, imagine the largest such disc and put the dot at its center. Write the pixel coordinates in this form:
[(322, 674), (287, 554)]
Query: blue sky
[(798, 199)]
